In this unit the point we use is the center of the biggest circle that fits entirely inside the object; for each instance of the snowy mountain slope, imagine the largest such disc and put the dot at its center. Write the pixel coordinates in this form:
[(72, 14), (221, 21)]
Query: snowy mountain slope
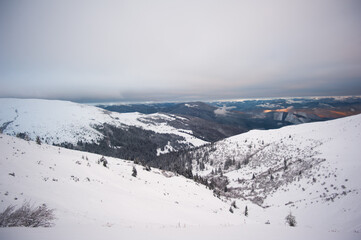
[(67, 122), (84, 192), (311, 169), (93, 202)]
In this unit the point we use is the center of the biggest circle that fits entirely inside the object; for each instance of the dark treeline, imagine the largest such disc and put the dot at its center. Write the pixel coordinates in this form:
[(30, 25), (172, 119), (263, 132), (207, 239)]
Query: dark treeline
[(141, 146), (128, 143)]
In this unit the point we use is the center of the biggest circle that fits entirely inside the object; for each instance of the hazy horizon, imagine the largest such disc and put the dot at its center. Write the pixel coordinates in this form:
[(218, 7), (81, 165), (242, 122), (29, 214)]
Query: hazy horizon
[(120, 102)]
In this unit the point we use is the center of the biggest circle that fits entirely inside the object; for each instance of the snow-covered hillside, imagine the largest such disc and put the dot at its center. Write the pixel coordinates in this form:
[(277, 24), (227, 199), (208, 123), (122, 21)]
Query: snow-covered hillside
[(311, 169), (67, 122), (84, 192), (92, 201)]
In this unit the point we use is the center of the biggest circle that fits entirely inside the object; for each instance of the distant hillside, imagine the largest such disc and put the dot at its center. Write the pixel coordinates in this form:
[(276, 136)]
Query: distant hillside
[(83, 127)]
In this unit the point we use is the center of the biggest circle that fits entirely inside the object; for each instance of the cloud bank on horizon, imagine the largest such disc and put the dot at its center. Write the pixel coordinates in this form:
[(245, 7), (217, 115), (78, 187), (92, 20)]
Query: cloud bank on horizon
[(173, 50)]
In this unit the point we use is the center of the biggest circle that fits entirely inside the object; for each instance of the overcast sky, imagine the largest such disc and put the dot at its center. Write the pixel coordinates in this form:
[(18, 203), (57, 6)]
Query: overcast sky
[(179, 50)]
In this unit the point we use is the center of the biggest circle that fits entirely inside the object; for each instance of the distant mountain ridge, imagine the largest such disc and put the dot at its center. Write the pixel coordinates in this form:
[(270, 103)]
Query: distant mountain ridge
[(242, 116), (174, 126)]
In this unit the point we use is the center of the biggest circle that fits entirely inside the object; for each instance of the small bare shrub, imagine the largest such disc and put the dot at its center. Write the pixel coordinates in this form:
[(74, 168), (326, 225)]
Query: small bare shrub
[(27, 216)]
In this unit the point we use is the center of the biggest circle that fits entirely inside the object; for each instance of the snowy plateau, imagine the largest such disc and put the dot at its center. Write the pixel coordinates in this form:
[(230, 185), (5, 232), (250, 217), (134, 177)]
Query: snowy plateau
[(312, 170)]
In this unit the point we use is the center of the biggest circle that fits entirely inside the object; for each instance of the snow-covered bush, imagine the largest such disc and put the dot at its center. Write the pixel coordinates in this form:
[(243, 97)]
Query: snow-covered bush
[(291, 220), (27, 216)]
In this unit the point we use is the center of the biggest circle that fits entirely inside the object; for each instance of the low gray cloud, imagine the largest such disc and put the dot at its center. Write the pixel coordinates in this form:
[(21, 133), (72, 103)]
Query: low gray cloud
[(173, 50)]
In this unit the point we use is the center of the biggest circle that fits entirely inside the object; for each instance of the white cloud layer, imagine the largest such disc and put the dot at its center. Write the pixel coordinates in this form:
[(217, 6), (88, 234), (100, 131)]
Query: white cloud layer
[(179, 49)]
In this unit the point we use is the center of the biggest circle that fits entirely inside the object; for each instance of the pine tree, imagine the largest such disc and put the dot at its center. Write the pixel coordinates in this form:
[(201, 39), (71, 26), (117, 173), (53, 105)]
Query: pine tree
[(104, 161), (38, 141), (134, 174), (246, 211), (291, 220), (201, 166)]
